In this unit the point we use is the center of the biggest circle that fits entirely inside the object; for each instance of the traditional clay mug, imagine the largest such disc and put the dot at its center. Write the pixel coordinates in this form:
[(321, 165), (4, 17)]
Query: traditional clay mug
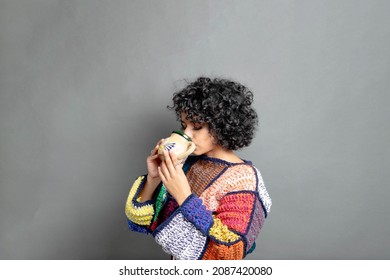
[(179, 143)]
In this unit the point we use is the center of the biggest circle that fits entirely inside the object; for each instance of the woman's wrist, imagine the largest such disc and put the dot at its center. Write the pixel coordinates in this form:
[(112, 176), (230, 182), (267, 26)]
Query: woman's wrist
[(150, 186), (182, 197), (152, 181)]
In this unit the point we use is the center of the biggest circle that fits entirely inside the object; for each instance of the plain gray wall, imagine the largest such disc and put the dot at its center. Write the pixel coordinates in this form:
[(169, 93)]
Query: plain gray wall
[(83, 92)]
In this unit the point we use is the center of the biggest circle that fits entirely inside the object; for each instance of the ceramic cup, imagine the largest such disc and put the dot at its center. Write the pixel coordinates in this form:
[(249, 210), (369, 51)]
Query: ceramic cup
[(179, 143)]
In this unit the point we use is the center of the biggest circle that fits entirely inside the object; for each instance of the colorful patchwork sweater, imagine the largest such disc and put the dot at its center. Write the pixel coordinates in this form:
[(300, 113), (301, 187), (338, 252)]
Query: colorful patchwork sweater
[(219, 220)]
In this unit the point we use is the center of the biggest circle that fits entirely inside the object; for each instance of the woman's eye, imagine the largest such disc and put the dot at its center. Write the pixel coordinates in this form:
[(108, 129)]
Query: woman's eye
[(193, 127)]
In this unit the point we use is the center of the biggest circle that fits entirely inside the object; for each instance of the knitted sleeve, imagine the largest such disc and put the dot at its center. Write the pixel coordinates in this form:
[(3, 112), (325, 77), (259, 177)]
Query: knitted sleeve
[(229, 232), (139, 214)]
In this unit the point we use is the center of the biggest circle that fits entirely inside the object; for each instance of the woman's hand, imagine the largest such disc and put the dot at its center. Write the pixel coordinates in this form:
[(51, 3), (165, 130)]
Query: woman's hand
[(172, 175), (153, 179), (153, 162)]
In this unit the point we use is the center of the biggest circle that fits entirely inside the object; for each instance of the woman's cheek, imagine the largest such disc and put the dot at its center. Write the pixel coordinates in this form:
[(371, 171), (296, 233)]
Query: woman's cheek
[(197, 151)]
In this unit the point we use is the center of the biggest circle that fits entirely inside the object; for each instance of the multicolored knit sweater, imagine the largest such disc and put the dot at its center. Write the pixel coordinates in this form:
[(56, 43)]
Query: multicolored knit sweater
[(219, 220)]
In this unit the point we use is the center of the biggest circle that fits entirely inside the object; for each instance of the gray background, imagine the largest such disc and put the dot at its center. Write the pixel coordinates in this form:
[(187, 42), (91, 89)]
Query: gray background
[(83, 92)]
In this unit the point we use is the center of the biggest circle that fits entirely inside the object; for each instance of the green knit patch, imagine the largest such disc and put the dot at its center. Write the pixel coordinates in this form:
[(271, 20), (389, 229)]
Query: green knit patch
[(160, 201)]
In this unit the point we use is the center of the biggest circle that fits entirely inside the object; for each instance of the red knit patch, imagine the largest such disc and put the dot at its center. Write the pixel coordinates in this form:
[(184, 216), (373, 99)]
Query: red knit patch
[(235, 210)]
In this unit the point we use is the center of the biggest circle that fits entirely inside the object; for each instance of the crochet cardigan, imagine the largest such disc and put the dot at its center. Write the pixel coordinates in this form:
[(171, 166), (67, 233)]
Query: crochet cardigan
[(219, 220)]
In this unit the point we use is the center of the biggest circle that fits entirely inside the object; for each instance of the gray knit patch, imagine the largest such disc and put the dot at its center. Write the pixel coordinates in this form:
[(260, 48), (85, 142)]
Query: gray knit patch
[(181, 239)]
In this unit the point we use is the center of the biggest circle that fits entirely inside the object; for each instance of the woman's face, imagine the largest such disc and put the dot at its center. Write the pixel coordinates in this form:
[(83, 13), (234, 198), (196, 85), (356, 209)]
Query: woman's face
[(200, 135)]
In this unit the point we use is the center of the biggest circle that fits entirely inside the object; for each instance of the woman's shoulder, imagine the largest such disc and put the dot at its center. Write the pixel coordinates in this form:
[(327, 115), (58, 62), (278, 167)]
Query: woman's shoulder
[(242, 172), (220, 161), (231, 169), (246, 177)]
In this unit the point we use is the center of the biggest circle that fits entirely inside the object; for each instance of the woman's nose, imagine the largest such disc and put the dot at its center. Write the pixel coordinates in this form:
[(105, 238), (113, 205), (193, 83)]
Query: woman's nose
[(187, 132)]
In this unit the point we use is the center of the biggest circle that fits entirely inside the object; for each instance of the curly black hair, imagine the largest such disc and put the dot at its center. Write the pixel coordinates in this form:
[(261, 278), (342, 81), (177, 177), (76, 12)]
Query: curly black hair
[(223, 104)]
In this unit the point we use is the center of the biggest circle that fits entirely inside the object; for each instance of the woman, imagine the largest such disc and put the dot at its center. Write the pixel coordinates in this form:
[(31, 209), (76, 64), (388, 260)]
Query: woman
[(213, 206)]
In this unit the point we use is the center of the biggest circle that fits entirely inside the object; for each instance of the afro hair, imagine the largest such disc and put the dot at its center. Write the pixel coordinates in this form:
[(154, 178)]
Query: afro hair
[(223, 104)]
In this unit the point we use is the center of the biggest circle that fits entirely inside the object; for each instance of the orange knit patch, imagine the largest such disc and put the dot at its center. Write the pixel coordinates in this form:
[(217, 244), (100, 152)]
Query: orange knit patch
[(216, 251)]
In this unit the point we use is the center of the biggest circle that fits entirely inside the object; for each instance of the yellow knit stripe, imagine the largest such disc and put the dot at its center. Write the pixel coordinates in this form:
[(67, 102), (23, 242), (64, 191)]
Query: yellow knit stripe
[(141, 215), (222, 232)]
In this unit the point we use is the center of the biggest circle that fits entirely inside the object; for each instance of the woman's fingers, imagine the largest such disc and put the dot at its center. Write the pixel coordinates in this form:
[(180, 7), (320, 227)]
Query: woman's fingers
[(155, 149), (169, 163), (176, 163), (165, 170), (162, 176), (153, 157)]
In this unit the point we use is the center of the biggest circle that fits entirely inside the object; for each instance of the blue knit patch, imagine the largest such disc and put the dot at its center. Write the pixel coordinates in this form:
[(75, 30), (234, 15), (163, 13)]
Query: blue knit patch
[(134, 227), (194, 211)]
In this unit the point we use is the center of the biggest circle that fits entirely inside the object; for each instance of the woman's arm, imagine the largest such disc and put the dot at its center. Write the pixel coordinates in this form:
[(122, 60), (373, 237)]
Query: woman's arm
[(228, 232)]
